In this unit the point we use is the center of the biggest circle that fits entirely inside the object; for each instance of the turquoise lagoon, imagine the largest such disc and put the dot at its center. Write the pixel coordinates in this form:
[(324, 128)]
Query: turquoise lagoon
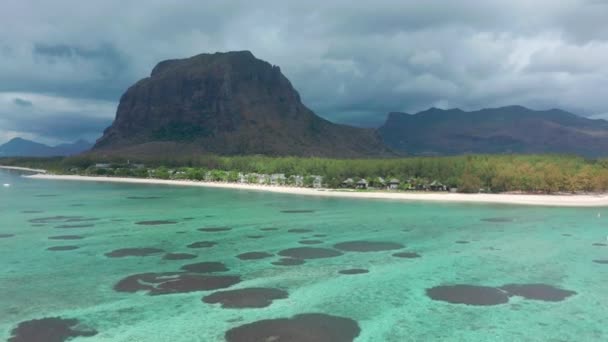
[(486, 245)]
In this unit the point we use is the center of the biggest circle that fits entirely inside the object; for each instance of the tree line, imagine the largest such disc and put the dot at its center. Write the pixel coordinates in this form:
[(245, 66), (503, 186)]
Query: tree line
[(470, 173)]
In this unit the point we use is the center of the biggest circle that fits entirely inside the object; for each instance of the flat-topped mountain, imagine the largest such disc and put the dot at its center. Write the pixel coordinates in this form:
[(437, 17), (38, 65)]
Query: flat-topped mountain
[(230, 104), (512, 129)]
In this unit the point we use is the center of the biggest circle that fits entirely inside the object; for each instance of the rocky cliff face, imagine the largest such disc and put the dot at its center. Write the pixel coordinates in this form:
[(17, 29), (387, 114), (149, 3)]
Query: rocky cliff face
[(512, 129), (230, 104)]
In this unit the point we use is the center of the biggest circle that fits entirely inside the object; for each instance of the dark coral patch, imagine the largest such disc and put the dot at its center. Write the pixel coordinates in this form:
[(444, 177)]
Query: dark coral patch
[(304, 211), (310, 242), (202, 244), (205, 267), (257, 297), (269, 229), (599, 244), (320, 235), (288, 262), (174, 282), (255, 236), (62, 248), (155, 222), (66, 237), (74, 226), (542, 292), (309, 253), (52, 219), (604, 262), (4, 236), (468, 294), (138, 252), (462, 242), (179, 256), (300, 328), (214, 229), (498, 219), (144, 197), (32, 211), (52, 329), (367, 246), (354, 271), (407, 255), (299, 230), (254, 255), (82, 219)]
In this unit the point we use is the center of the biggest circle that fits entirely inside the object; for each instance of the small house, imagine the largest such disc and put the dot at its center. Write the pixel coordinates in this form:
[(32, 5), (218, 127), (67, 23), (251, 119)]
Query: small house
[(296, 180), (393, 184), (207, 177), (362, 184), (263, 179), (348, 183), (277, 179), (317, 182), (437, 186)]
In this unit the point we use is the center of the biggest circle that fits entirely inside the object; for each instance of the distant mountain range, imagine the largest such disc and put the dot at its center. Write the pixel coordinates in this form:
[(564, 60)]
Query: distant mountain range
[(512, 129), (230, 104), (19, 147)]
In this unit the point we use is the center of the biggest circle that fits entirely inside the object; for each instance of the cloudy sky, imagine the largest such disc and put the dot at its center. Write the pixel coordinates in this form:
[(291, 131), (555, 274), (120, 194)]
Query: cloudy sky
[(66, 63)]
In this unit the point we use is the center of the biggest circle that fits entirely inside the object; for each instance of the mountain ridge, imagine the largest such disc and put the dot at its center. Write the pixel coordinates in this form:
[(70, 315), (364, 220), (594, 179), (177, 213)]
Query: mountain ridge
[(19, 147), (509, 129)]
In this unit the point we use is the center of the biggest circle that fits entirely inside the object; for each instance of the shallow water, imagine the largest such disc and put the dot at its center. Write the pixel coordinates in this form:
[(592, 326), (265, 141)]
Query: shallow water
[(487, 245)]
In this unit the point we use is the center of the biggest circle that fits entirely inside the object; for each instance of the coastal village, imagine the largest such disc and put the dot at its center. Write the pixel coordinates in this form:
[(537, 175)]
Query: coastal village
[(276, 179)]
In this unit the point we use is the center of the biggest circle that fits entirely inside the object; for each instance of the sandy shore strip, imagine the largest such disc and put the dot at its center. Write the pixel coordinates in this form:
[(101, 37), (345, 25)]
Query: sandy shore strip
[(599, 200), (18, 168)]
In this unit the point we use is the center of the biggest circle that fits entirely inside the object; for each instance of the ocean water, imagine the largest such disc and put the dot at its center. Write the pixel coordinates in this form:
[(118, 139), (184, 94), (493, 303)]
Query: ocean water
[(481, 245)]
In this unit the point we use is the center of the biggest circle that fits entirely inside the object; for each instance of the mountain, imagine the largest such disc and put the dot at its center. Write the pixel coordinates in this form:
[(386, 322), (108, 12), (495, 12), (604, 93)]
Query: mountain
[(229, 104), (19, 147), (512, 129)]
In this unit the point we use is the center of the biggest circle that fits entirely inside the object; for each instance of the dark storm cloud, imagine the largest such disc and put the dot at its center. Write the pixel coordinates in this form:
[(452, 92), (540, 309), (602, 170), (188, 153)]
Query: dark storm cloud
[(99, 72), (52, 119), (69, 127), (352, 62)]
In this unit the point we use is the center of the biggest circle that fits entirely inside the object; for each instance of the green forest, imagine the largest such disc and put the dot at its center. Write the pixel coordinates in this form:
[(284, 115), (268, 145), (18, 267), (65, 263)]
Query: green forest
[(471, 173)]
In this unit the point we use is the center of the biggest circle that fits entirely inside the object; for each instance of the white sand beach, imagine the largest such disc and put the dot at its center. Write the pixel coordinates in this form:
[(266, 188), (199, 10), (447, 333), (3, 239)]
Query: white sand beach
[(597, 200)]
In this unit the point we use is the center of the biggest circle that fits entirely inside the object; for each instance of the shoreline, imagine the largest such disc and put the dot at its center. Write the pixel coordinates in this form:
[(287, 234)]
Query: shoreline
[(599, 200), (19, 168)]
